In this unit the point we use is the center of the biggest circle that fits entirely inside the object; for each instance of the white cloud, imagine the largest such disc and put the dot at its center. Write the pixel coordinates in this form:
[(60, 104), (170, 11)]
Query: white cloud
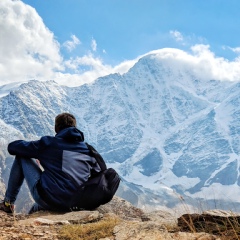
[(201, 62), (87, 60), (235, 50), (27, 48), (85, 69), (94, 45), (210, 66), (123, 67), (186, 40), (177, 35), (71, 44)]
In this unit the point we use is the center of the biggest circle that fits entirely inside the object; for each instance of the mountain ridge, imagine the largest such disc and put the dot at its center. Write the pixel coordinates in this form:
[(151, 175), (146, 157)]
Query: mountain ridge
[(160, 125)]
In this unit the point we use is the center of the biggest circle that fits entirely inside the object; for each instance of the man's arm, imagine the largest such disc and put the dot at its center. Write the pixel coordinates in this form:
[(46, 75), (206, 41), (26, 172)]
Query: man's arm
[(24, 148)]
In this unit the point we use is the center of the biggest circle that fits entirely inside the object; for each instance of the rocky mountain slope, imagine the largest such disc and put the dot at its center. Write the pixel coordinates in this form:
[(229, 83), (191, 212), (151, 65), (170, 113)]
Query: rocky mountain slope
[(169, 132)]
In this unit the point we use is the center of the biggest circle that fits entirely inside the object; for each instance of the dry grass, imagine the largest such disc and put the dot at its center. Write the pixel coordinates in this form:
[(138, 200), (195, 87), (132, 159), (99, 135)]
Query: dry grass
[(89, 231), (225, 228)]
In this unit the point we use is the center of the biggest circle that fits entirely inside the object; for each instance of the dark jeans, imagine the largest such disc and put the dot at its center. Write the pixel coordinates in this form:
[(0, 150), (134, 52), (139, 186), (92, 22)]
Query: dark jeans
[(25, 168)]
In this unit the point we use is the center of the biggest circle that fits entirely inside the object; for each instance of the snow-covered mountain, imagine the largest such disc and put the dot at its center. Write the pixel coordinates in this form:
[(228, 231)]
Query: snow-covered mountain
[(167, 130)]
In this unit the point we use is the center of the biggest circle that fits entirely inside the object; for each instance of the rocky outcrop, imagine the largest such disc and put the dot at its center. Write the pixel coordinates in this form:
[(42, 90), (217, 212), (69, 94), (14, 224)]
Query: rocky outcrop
[(223, 223), (132, 224)]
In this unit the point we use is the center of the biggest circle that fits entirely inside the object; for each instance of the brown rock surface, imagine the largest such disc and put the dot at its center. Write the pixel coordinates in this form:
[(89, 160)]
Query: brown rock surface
[(134, 224), (222, 223)]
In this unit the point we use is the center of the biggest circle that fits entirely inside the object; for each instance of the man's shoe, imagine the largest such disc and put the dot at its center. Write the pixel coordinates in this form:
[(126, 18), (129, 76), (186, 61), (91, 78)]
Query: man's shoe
[(35, 208), (6, 207)]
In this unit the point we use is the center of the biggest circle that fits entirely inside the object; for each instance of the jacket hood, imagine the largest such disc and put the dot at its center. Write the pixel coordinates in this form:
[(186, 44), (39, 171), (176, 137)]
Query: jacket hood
[(71, 134)]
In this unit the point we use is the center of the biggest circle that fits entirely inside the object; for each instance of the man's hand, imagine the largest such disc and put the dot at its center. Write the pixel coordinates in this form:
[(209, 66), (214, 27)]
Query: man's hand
[(39, 164)]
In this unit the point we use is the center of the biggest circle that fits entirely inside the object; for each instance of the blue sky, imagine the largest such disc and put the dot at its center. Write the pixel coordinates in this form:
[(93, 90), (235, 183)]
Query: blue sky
[(80, 40), (125, 29)]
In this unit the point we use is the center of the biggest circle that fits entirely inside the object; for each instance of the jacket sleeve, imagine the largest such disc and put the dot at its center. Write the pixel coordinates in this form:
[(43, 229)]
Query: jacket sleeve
[(24, 148)]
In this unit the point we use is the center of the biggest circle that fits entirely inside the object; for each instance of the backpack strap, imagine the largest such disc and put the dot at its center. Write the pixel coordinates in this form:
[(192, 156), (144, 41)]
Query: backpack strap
[(94, 153)]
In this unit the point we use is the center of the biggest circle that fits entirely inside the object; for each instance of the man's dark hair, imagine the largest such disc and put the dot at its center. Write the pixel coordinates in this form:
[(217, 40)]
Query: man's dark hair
[(64, 120)]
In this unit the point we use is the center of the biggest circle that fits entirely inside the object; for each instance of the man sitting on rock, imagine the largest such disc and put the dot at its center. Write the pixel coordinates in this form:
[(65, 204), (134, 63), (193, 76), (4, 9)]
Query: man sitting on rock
[(65, 161)]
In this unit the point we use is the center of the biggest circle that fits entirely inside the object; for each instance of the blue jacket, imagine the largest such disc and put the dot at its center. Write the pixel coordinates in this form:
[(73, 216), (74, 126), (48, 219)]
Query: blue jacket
[(66, 162)]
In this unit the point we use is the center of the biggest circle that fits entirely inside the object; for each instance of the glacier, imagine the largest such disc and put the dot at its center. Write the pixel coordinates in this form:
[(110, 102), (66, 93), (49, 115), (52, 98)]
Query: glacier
[(170, 133)]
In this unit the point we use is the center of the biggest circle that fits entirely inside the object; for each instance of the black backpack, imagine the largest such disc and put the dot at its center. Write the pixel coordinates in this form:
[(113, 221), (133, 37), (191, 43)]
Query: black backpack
[(99, 189)]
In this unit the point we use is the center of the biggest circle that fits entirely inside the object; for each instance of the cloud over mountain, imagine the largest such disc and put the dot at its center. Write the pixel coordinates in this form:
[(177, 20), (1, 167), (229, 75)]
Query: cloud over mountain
[(30, 50)]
